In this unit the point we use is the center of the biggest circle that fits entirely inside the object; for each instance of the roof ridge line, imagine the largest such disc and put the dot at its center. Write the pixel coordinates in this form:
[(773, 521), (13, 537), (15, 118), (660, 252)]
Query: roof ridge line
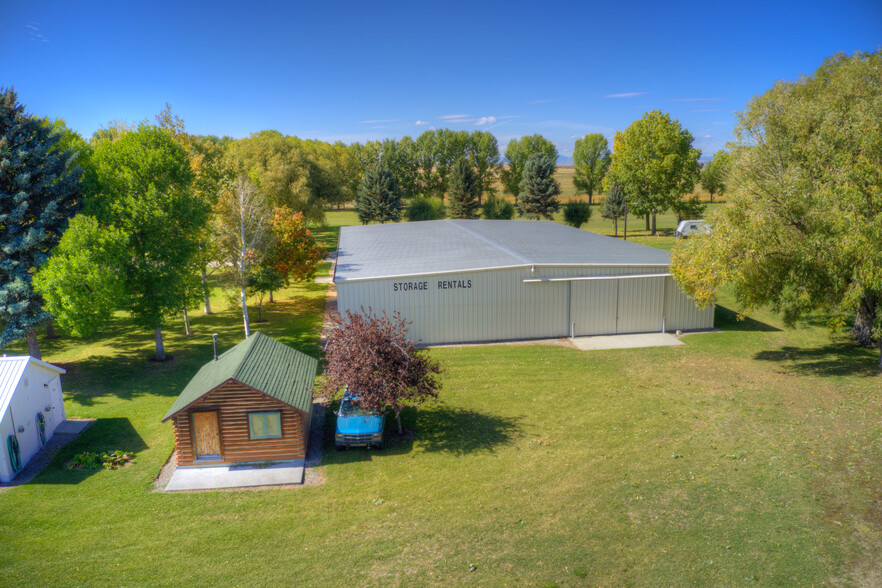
[(489, 241), (245, 357)]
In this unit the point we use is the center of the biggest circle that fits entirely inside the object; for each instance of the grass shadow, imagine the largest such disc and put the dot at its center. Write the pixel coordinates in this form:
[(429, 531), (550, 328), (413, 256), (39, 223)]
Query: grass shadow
[(727, 320), (834, 359)]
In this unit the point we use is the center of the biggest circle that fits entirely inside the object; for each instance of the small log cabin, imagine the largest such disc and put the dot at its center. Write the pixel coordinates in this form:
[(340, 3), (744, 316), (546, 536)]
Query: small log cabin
[(252, 404)]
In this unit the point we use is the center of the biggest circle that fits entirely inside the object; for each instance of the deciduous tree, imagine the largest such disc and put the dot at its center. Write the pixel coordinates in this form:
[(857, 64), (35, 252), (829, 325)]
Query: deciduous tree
[(576, 213), (591, 158), (538, 188), (295, 254), (654, 161), (803, 224), (262, 280), (483, 153), (497, 209), (713, 175), (39, 192), (373, 356), (80, 283), (144, 188), (243, 225)]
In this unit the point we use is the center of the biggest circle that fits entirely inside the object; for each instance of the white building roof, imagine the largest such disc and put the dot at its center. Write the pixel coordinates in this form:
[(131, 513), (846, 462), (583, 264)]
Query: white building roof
[(12, 369), (430, 247)]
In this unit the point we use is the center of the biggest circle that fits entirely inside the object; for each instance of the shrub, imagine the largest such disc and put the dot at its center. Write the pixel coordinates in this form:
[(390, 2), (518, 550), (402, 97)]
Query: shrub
[(498, 209), (92, 461), (423, 209), (576, 213)]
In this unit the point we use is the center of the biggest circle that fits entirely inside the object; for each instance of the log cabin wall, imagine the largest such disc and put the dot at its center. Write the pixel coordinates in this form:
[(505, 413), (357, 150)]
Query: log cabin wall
[(233, 402)]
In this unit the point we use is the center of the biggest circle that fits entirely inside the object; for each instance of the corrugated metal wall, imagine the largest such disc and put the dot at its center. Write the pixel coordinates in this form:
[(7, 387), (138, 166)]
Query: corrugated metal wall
[(496, 305), (681, 311)]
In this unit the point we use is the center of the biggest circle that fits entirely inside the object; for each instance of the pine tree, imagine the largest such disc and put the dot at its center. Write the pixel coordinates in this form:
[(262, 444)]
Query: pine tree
[(464, 191), (538, 188), (39, 193), (614, 206), (379, 197)]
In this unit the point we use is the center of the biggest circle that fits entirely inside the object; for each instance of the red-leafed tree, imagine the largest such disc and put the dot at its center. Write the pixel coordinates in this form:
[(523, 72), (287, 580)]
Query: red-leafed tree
[(296, 253), (374, 358)]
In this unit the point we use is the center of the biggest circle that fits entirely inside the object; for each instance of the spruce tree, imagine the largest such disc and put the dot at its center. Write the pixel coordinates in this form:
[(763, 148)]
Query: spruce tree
[(379, 196), (614, 206), (39, 192), (464, 191), (538, 188)]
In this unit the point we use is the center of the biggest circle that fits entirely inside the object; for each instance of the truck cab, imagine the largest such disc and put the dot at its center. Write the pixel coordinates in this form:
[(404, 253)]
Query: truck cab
[(357, 427)]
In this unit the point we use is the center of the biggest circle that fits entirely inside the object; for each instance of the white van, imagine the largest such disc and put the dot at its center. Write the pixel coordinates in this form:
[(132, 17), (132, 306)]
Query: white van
[(687, 228)]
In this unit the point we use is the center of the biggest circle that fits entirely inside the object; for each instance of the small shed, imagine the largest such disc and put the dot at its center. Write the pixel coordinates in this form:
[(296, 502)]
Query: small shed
[(31, 407), (251, 404)]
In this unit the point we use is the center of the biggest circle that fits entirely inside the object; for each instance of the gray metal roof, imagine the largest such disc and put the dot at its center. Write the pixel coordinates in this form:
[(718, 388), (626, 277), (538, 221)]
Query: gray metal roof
[(428, 247), (260, 362)]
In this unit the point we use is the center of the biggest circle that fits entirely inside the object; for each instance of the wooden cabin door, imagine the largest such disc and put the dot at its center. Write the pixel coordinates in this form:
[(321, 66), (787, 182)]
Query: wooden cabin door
[(206, 432)]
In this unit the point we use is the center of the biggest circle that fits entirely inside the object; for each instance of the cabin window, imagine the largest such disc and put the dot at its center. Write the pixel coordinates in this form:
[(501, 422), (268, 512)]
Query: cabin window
[(265, 425)]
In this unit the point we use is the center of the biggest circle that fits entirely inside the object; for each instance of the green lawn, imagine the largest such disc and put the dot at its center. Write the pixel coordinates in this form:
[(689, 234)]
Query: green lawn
[(747, 457)]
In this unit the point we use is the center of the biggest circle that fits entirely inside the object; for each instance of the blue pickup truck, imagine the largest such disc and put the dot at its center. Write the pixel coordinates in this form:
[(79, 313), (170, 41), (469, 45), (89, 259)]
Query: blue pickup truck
[(356, 427)]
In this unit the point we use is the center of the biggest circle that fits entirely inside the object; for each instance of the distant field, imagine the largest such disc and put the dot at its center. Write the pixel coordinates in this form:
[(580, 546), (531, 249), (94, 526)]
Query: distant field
[(564, 176)]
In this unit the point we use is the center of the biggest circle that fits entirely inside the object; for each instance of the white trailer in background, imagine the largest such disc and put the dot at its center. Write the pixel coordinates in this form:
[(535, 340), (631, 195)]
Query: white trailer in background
[(31, 408)]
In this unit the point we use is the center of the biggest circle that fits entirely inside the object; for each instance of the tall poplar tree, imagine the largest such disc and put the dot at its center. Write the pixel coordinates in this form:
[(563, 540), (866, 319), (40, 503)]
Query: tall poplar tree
[(39, 192), (538, 188), (591, 159)]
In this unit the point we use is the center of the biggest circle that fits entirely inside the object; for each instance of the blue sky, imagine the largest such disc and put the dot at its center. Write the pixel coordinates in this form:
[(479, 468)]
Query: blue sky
[(356, 71)]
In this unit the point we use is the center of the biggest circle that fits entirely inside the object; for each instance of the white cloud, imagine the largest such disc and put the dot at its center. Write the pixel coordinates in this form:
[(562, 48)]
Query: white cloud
[(378, 121), (624, 95), (420, 123), (485, 120), (36, 35), (455, 117)]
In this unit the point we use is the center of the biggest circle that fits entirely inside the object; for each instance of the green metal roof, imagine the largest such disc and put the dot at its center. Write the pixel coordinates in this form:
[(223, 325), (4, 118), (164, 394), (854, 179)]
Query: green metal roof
[(262, 363)]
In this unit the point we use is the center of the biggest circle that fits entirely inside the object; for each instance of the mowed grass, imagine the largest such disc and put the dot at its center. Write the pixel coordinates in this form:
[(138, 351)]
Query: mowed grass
[(747, 457)]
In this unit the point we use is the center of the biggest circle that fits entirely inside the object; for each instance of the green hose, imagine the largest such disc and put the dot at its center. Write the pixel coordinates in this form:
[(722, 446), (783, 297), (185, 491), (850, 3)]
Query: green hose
[(41, 425), (14, 453)]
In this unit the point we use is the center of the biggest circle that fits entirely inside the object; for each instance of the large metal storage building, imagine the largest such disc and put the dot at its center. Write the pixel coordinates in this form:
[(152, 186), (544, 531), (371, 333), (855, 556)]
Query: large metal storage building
[(462, 281)]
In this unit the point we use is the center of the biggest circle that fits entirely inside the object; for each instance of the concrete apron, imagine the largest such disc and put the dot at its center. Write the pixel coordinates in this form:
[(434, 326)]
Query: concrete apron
[(236, 476), (625, 341)]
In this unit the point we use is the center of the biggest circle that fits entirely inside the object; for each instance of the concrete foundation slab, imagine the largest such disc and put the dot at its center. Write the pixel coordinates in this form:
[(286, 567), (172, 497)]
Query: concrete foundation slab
[(215, 477), (626, 341), (73, 427)]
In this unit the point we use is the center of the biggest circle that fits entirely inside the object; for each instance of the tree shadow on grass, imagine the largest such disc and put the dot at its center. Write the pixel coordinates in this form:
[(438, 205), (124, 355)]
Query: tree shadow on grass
[(438, 428), (123, 375), (727, 320), (104, 435), (834, 359), (461, 431)]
